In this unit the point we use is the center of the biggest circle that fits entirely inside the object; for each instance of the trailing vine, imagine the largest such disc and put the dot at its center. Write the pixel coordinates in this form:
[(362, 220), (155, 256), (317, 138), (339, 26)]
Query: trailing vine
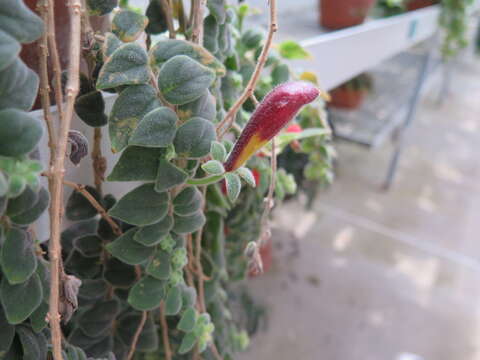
[(145, 276)]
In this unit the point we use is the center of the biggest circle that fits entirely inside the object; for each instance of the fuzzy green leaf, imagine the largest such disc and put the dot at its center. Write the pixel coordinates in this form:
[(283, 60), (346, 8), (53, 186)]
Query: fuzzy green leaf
[(233, 186), (31, 215), (189, 296), (78, 207), (188, 320), (173, 302), (119, 274), (101, 7), (128, 250), (160, 265), (188, 342), (141, 206), (164, 50), (110, 44), (31, 294), (157, 19), (210, 36), (90, 108), (218, 151), (20, 22), (280, 74), (34, 345), (246, 175), (252, 38), (128, 25), (218, 9), (213, 167), (169, 176), (18, 257), (189, 224), (128, 65), (95, 289), (88, 245), (8, 332), (18, 86), (99, 318), (81, 266), (137, 164), (9, 49), (22, 203), (182, 79), (188, 201), (19, 132), (156, 129), (3, 191), (204, 107), (292, 50), (38, 317), (194, 138), (152, 234), (131, 106), (147, 294)]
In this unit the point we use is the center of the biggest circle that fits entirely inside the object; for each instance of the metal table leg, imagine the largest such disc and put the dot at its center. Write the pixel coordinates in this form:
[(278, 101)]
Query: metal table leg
[(412, 107)]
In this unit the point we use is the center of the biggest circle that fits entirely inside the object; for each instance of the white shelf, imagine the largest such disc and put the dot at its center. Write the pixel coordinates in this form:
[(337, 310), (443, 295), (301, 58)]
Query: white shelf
[(340, 55)]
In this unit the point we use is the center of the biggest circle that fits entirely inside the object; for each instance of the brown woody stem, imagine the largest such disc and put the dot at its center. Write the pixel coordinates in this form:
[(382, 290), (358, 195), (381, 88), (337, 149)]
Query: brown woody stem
[(58, 168), (166, 341), (133, 346), (103, 213), (226, 123)]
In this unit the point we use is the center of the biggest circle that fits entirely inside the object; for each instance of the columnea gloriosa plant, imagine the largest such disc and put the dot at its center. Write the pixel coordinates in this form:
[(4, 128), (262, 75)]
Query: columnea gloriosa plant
[(147, 275)]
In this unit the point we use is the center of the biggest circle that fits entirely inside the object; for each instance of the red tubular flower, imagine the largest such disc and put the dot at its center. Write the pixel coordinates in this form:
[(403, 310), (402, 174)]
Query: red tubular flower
[(271, 115), (256, 176), (294, 128)]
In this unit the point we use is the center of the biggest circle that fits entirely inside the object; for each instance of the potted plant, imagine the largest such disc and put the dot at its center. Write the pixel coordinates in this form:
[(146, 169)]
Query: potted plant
[(142, 273), (351, 94), (338, 14)]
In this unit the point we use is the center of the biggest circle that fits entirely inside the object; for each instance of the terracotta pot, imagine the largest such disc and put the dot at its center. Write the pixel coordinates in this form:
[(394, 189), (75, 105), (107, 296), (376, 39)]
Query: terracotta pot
[(346, 98), (337, 14), (418, 4), (267, 258)]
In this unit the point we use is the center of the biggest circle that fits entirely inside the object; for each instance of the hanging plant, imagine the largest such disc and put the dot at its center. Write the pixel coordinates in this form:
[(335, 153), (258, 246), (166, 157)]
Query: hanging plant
[(144, 276)]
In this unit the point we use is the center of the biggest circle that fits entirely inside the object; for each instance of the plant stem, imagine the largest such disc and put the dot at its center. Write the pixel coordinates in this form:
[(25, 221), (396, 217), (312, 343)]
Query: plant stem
[(226, 123), (57, 69), (44, 84), (58, 173), (167, 10), (207, 180), (198, 263), (103, 213), (265, 230), (197, 32), (166, 340), (133, 346), (98, 161)]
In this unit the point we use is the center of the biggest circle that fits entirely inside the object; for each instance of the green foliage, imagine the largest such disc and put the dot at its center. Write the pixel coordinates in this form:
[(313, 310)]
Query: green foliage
[(127, 65), (213, 167), (454, 20), (193, 139), (129, 108), (182, 79), (169, 176), (137, 164), (188, 201), (9, 49), (152, 234), (18, 21), (233, 186), (141, 206), (147, 293), (18, 259), (90, 108), (203, 107), (110, 44), (157, 20), (157, 129), (19, 132), (189, 224), (164, 50), (101, 7), (292, 50), (18, 86), (128, 25), (126, 249)]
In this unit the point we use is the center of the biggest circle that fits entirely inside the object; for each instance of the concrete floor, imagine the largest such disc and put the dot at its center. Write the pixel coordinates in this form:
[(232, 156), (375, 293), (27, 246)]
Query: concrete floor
[(374, 275)]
